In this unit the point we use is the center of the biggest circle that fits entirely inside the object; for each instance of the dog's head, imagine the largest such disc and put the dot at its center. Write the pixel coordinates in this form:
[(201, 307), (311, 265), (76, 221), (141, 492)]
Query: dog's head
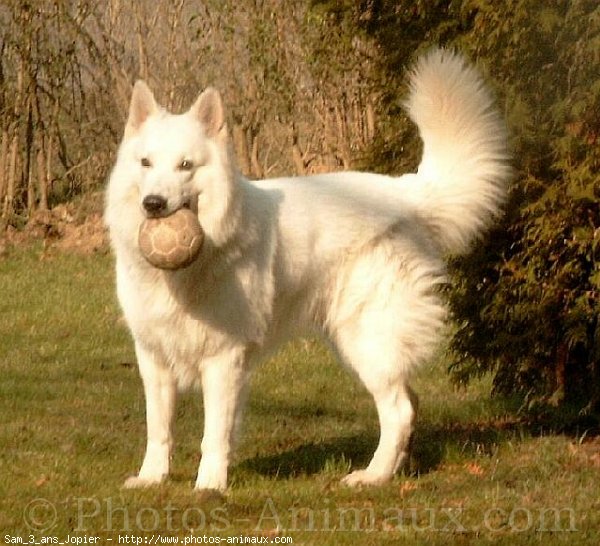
[(173, 154), (168, 161)]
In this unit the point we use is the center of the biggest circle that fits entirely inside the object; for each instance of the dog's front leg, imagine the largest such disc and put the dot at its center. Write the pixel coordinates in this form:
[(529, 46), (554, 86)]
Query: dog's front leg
[(224, 387), (160, 389)]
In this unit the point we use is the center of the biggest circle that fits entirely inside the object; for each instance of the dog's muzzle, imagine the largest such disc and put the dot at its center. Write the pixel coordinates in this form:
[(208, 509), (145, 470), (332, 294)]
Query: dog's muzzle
[(154, 205)]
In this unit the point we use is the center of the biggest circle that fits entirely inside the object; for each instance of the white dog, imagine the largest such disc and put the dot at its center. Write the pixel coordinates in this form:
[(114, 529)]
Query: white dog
[(356, 257)]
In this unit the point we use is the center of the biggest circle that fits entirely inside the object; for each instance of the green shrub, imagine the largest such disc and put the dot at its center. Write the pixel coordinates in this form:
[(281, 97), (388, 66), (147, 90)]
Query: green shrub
[(527, 303)]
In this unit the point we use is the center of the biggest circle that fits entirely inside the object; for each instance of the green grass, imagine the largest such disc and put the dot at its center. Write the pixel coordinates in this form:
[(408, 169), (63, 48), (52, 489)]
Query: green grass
[(73, 429)]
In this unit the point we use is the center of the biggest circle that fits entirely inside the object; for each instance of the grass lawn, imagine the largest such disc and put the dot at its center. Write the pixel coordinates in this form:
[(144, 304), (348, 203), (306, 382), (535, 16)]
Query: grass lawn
[(72, 414)]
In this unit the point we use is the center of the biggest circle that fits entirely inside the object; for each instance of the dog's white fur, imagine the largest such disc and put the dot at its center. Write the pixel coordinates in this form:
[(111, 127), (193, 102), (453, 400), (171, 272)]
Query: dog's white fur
[(356, 257)]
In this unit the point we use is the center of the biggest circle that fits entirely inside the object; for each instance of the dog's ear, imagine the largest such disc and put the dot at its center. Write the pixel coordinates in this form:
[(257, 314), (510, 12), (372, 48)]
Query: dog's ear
[(208, 109), (142, 106)]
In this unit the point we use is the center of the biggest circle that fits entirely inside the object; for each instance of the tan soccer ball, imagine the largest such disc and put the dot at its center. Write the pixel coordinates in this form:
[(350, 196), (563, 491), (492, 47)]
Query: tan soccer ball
[(172, 242)]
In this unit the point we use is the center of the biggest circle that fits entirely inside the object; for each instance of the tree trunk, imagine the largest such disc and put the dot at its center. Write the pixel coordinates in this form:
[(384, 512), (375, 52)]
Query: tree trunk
[(42, 173), (299, 158), (370, 113), (27, 158), (38, 143), (257, 169), (3, 166), (241, 149), (9, 203), (11, 185)]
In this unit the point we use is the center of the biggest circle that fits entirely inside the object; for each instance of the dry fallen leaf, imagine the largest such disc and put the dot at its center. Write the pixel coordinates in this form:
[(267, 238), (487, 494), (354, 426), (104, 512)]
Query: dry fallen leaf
[(474, 469), (407, 487)]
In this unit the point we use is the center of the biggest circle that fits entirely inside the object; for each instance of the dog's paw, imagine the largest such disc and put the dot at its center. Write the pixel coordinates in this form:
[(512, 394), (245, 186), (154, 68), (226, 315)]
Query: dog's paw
[(210, 486), (364, 477), (135, 482), (212, 474)]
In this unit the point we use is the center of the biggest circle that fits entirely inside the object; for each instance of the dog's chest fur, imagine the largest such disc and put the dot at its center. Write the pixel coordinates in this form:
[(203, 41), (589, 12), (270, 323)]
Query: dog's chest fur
[(190, 317)]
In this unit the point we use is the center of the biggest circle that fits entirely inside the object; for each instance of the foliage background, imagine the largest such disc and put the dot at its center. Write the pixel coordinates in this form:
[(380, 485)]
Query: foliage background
[(318, 85)]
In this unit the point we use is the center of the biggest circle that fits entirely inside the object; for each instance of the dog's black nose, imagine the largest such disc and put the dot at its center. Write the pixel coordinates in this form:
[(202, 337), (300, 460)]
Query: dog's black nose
[(154, 204)]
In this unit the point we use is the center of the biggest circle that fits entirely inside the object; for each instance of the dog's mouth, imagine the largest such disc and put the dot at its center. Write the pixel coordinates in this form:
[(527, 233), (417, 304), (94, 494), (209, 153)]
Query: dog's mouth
[(155, 206), (190, 203)]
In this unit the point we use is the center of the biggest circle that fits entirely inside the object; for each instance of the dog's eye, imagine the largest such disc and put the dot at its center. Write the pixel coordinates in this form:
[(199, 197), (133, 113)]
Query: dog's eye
[(186, 165), (145, 162)]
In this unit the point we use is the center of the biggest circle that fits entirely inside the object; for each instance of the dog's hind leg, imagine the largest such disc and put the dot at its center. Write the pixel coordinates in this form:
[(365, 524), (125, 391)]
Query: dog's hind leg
[(224, 389), (385, 321), (396, 408), (375, 365), (160, 389)]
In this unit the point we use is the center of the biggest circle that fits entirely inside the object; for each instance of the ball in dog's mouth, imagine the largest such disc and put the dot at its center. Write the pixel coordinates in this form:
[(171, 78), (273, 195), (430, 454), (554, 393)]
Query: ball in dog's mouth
[(171, 242)]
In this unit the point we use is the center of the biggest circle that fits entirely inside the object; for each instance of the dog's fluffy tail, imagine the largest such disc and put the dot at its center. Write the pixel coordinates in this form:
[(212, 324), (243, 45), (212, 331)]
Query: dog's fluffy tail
[(462, 178)]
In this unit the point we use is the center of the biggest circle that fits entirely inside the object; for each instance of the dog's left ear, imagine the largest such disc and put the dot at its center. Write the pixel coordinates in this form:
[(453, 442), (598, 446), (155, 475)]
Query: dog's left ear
[(208, 109)]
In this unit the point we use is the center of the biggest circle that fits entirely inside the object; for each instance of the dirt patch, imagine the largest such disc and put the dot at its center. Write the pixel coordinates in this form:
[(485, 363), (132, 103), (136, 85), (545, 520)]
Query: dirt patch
[(72, 227)]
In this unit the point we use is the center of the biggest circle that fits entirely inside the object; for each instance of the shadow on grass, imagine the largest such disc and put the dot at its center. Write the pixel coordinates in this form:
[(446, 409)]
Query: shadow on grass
[(429, 446), (313, 458)]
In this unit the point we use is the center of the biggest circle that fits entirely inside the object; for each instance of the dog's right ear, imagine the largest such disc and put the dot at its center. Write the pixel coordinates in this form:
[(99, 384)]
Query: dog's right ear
[(208, 109), (142, 106)]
